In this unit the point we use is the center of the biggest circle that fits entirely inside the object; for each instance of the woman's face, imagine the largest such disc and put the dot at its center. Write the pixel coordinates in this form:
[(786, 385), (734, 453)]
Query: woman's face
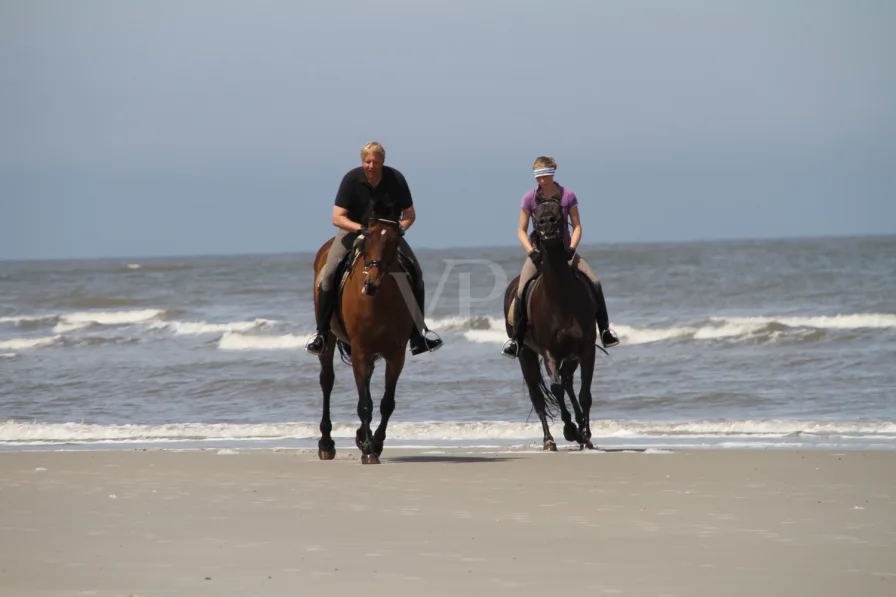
[(545, 181)]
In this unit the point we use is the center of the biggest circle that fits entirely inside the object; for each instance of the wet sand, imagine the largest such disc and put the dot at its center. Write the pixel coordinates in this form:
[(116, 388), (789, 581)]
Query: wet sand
[(453, 522)]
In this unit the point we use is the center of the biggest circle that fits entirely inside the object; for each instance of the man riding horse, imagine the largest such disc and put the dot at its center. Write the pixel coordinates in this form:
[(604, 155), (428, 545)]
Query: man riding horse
[(361, 187)]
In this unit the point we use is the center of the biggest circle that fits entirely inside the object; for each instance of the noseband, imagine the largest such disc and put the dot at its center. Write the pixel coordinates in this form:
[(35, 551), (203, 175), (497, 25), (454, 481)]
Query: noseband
[(377, 262)]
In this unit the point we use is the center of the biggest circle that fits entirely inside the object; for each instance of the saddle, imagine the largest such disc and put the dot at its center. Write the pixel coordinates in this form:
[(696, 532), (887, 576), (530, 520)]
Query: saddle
[(347, 263), (530, 286)]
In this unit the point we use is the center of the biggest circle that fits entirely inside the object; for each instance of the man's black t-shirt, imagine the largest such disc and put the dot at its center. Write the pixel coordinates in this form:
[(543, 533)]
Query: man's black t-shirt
[(357, 195)]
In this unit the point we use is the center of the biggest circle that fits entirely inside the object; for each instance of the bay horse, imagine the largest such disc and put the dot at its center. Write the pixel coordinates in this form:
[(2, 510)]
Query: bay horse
[(374, 315), (560, 306)]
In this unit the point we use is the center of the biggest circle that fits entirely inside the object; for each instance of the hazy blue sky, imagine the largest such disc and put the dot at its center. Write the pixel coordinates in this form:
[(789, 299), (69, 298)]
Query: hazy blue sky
[(196, 127)]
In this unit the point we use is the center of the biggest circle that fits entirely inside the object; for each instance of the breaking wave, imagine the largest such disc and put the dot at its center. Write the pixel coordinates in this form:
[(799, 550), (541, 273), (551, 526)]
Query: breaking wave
[(19, 433)]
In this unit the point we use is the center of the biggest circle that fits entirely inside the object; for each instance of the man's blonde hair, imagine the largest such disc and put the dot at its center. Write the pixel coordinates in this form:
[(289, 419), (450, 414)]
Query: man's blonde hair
[(376, 149), (544, 162)]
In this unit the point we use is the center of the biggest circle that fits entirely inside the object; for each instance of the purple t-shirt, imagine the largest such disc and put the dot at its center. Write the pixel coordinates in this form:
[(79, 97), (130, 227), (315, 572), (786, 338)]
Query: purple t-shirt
[(567, 201)]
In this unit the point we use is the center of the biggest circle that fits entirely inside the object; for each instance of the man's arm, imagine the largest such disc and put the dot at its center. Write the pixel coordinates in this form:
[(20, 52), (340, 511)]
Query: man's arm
[(343, 202), (407, 217), (404, 201), (340, 220)]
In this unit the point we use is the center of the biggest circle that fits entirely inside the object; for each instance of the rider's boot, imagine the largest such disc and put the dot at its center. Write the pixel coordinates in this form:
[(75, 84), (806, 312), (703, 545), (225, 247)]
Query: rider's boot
[(512, 347), (326, 301), (607, 336), (419, 342)]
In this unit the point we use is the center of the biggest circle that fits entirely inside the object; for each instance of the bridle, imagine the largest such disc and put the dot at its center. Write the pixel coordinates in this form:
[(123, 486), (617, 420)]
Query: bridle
[(368, 263), (541, 202)]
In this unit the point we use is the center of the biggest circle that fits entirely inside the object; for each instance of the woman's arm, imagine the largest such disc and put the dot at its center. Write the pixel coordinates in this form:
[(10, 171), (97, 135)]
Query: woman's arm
[(523, 231), (576, 227)]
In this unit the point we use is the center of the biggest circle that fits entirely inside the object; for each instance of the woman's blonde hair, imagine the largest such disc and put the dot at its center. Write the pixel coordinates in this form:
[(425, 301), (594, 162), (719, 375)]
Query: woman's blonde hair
[(376, 149), (544, 162)]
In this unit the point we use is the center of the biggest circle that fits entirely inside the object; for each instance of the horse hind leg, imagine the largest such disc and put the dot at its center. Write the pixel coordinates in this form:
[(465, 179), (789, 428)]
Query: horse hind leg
[(326, 447), (532, 374)]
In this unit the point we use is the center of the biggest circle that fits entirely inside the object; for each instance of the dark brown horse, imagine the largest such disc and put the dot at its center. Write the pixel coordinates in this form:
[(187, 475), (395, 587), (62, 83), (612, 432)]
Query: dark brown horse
[(561, 331), (373, 317)]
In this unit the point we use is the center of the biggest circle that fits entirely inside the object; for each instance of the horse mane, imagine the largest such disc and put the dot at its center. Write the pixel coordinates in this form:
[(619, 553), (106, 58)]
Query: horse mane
[(383, 210)]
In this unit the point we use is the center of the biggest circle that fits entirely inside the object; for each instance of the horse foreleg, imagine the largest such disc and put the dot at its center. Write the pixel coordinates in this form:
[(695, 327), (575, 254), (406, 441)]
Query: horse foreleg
[(387, 406), (570, 430), (532, 374), (587, 368), (326, 447), (363, 369)]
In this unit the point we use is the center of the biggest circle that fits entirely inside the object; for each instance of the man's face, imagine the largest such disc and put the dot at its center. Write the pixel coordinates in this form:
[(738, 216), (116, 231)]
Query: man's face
[(373, 165)]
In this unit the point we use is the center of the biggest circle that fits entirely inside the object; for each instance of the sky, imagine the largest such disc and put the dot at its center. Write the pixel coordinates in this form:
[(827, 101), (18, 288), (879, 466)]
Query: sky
[(197, 127)]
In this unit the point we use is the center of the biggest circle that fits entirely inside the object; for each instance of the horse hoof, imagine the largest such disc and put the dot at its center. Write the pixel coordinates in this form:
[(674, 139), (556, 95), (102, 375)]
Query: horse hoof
[(369, 459), (588, 445), (550, 447), (326, 454), (572, 435)]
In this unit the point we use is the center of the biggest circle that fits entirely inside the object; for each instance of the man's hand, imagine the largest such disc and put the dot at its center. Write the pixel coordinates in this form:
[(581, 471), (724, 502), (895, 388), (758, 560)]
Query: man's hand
[(570, 253)]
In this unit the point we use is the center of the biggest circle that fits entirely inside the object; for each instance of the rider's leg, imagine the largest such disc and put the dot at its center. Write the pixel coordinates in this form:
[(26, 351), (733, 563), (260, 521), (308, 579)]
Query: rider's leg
[(419, 342), (512, 347), (326, 296), (607, 336)]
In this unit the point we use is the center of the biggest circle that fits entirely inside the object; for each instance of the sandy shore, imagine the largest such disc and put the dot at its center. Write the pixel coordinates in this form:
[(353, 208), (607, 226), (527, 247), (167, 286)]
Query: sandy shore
[(716, 523)]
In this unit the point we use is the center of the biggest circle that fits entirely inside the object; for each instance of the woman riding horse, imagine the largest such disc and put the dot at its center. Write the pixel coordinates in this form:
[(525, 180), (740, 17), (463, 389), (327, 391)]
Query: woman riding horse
[(544, 169), (562, 331)]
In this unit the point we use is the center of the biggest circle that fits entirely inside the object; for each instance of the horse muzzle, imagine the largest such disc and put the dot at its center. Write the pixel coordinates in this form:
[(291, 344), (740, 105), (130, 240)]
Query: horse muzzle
[(369, 288), (549, 235)]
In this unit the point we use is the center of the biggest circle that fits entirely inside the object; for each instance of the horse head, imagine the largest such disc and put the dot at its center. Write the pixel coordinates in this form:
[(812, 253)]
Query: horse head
[(548, 221), (380, 248)]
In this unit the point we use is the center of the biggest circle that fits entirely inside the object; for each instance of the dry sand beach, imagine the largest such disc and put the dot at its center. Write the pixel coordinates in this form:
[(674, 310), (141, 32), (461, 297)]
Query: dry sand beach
[(225, 522)]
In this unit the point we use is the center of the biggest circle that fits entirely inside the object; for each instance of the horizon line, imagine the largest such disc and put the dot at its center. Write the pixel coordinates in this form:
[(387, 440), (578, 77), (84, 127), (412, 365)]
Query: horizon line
[(419, 249)]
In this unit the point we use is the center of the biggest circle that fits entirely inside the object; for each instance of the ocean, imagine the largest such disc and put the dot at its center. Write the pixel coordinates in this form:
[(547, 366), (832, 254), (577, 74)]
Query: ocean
[(738, 344)]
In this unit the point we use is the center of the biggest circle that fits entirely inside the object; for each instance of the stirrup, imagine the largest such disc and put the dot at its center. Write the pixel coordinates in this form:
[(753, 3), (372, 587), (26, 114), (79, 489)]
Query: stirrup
[(511, 349), (317, 344), (426, 344), (609, 338)]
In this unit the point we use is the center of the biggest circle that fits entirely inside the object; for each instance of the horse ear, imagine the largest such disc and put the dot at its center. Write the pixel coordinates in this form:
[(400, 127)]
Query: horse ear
[(379, 209)]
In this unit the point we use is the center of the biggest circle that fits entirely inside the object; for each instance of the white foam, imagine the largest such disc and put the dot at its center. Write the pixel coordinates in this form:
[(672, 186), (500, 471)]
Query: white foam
[(8, 355), (486, 336), (238, 341), (734, 433), (26, 343), (17, 319), (632, 335), (835, 322), (74, 321), (196, 328), (459, 324), (134, 266)]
